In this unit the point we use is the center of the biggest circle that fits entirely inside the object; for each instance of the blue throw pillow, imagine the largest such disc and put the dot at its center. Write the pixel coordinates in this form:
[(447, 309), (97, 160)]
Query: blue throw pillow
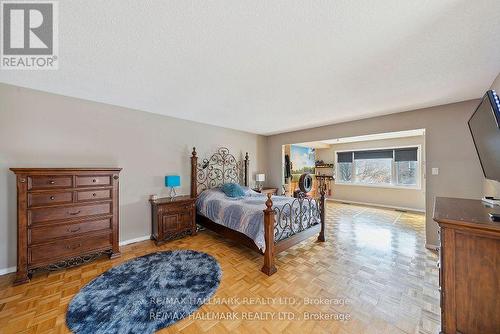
[(233, 190)]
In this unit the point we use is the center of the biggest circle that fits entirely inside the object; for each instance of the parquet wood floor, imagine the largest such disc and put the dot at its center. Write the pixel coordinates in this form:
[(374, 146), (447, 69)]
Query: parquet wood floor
[(374, 260)]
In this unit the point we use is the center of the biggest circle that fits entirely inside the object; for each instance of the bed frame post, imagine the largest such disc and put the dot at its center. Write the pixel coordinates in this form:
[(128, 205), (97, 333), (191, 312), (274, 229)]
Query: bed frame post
[(246, 170), (321, 236), (269, 268), (194, 164)]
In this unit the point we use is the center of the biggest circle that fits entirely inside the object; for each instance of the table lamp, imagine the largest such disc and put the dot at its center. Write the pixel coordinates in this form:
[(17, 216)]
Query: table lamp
[(172, 181), (259, 179)]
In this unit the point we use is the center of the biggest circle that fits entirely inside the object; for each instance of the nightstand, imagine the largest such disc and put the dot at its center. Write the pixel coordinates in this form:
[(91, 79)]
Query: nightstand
[(273, 191), (173, 218)]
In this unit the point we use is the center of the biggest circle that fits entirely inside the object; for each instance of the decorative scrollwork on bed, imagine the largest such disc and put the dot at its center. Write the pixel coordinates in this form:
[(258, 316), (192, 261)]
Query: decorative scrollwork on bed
[(295, 217), (222, 167)]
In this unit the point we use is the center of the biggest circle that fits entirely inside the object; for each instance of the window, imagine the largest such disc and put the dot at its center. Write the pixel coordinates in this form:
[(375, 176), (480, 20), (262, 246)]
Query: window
[(406, 173), (345, 171), (344, 166), (388, 167), (373, 171)]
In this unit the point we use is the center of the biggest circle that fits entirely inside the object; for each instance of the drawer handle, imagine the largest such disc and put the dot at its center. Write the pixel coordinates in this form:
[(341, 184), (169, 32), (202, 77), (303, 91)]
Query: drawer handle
[(78, 245), (94, 180), (75, 230), (94, 195), (52, 198), (74, 213), (52, 182)]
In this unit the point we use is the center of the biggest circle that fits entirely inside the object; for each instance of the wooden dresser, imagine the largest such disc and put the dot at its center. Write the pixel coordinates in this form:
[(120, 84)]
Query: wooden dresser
[(65, 217), (173, 218), (469, 274)]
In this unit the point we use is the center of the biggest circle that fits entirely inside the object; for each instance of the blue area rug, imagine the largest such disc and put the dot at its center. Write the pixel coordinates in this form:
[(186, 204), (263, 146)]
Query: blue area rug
[(145, 294)]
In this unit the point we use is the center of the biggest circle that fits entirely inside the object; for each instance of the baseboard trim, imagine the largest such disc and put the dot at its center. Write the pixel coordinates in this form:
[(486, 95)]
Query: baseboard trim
[(133, 241), (375, 204), (5, 271)]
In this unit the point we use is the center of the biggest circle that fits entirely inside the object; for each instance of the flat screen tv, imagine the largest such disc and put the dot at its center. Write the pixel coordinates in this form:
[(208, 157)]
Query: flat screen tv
[(484, 126)]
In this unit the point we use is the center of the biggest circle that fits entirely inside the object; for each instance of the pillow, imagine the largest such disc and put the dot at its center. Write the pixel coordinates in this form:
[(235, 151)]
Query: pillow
[(233, 190)]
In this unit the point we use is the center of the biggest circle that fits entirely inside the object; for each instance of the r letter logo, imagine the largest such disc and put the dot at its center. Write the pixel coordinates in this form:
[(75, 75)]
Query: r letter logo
[(29, 35)]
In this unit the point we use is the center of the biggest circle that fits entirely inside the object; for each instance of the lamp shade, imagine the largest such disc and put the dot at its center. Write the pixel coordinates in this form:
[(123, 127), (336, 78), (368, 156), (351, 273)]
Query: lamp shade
[(260, 177), (172, 181)]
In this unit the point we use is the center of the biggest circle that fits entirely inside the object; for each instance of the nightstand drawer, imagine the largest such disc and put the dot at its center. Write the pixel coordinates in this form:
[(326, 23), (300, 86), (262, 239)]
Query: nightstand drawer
[(178, 208)]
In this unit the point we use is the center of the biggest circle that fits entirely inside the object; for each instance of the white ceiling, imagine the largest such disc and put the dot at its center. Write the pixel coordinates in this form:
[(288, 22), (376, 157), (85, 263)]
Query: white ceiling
[(273, 66)]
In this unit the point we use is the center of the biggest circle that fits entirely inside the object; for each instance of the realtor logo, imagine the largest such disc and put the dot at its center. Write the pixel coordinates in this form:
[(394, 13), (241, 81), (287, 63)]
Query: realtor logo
[(29, 35)]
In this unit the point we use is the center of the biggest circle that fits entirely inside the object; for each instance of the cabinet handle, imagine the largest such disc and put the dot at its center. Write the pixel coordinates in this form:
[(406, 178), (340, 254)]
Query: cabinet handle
[(52, 198), (52, 182), (94, 180), (75, 230), (74, 213), (78, 245)]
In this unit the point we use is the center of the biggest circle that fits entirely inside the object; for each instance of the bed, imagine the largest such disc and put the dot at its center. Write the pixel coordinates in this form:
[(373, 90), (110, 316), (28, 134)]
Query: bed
[(265, 223)]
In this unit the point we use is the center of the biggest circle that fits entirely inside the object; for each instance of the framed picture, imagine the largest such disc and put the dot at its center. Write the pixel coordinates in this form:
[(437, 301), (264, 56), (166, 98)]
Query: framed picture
[(303, 160)]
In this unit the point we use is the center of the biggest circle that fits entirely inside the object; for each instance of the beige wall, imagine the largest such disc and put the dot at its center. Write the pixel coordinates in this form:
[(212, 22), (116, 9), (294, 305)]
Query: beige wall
[(393, 197), (44, 130), (449, 147), (492, 188)]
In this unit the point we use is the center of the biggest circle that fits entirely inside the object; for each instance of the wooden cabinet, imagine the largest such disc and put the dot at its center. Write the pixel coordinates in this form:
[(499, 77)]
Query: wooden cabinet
[(172, 218), (469, 266), (65, 217)]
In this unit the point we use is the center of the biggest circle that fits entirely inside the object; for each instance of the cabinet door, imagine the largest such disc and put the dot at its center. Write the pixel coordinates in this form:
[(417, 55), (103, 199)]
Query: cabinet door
[(186, 219), (169, 223)]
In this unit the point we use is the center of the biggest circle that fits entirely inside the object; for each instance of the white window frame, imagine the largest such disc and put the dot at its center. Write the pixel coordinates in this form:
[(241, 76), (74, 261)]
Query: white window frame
[(393, 185)]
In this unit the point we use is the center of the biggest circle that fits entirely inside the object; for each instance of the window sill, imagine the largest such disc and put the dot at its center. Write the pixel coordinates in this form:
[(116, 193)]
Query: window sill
[(385, 186)]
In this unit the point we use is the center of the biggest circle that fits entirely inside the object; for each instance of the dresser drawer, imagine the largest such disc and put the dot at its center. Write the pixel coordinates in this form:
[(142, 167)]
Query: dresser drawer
[(76, 211), (93, 195), (40, 199), (67, 248), (49, 181), (46, 233), (93, 181)]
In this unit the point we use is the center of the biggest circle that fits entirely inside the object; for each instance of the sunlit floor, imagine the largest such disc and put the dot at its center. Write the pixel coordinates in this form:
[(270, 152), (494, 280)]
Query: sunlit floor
[(373, 272)]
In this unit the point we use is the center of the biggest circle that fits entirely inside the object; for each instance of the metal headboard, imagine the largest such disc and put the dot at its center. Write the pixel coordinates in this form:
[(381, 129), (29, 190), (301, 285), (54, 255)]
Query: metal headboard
[(222, 167)]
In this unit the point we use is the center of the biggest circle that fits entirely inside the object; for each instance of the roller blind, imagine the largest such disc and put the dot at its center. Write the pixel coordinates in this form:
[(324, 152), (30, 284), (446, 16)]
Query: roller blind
[(373, 154), (344, 157), (405, 154)]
